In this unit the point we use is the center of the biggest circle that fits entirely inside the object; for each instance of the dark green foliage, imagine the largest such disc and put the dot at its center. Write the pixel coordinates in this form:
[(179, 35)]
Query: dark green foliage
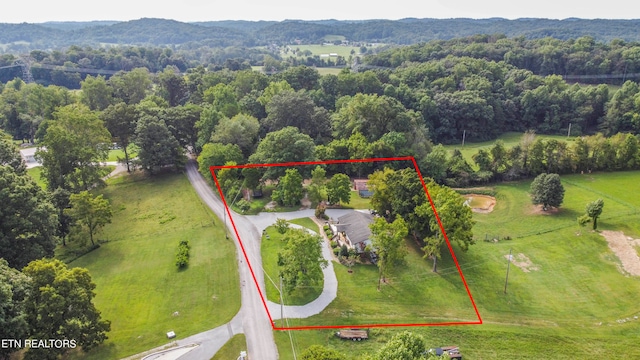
[(14, 289), (28, 220), (285, 145), (301, 261), (290, 190), (594, 210), (547, 189), (182, 255), (339, 189), (158, 147), (60, 306)]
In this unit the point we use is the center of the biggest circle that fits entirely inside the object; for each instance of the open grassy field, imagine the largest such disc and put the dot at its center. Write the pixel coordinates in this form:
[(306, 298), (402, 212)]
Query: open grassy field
[(510, 139), (139, 287), (232, 348), (570, 301), (271, 245), (344, 51)]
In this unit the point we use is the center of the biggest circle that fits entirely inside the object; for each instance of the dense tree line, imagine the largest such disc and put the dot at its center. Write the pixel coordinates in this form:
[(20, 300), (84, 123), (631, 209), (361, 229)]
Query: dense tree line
[(546, 56)]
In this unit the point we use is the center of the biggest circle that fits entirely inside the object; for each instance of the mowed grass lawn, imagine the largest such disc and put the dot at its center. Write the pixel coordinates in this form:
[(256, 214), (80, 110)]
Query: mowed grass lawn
[(575, 304), (139, 288)]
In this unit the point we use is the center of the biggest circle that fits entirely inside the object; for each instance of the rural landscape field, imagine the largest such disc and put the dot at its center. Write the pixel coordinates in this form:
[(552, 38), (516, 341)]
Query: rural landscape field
[(320, 190)]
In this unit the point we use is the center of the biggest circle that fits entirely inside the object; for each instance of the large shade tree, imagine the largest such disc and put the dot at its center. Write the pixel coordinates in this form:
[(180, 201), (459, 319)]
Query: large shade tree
[(547, 189), (14, 289), (301, 260), (72, 149), (158, 147), (60, 306), (285, 145), (121, 120), (387, 241), (28, 221)]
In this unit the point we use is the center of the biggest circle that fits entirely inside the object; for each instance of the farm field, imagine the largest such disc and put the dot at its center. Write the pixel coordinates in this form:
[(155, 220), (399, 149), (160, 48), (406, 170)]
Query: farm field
[(566, 297), (139, 289)]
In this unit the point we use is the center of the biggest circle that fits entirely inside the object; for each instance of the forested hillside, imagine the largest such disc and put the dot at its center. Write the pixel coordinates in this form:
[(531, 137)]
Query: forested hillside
[(24, 37)]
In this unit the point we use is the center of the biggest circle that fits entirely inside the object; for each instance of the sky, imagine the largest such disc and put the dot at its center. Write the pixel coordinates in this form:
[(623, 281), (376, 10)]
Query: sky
[(34, 11)]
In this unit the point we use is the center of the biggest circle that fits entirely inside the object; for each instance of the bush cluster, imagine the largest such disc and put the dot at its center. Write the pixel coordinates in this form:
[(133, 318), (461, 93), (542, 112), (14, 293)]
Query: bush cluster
[(182, 256)]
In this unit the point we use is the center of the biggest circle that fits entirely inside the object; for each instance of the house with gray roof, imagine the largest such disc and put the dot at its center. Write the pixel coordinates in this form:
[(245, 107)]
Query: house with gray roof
[(352, 230)]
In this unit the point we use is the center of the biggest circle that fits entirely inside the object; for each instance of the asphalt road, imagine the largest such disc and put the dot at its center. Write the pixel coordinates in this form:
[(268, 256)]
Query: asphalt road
[(255, 323)]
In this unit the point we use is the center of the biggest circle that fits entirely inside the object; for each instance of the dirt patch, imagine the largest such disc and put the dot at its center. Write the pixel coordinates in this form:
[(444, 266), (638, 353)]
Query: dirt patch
[(624, 248), (305, 202), (480, 203), (523, 262), (537, 210)]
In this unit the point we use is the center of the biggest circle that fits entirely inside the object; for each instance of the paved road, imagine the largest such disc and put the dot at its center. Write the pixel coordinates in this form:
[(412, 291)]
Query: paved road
[(255, 323)]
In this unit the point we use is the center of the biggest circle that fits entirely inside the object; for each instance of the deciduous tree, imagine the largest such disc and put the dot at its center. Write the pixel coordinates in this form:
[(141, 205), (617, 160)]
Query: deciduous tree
[(387, 240), (290, 190), (72, 149), (60, 306), (28, 221), (285, 145), (594, 210), (89, 212), (339, 189), (158, 147), (14, 289), (121, 121), (547, 189), (301, 260)]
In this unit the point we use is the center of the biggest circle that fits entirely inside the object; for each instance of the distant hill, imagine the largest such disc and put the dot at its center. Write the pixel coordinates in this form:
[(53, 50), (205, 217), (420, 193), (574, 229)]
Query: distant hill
[(161, 32)]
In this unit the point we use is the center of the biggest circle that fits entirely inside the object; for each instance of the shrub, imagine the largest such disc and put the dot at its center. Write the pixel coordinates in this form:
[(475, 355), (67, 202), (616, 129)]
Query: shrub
[(182, 256), (281, 225), (320, 209), (243, 205), (344, 250), (336, 251)]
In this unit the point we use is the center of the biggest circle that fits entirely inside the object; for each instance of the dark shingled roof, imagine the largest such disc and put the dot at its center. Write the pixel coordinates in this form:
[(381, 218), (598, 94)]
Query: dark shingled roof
[(356, 226)]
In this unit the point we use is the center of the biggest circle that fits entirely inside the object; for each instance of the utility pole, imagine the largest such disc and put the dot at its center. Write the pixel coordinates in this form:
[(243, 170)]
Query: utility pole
[(508, 266), (281, 302), (569, 132), (464, 133)]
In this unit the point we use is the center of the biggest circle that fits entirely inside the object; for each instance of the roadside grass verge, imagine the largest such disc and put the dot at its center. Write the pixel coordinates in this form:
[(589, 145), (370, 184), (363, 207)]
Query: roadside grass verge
[(270, 246), (231, 350), (139, 288)]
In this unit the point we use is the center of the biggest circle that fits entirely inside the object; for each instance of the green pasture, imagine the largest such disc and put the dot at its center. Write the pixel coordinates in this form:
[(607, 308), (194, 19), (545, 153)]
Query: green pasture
[(569, 300), (139, 288), (270, 246), (341, 50)]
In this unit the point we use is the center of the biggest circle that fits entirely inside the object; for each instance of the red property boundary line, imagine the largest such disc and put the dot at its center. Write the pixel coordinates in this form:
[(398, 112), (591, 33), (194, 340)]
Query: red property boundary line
[(327, 162)]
